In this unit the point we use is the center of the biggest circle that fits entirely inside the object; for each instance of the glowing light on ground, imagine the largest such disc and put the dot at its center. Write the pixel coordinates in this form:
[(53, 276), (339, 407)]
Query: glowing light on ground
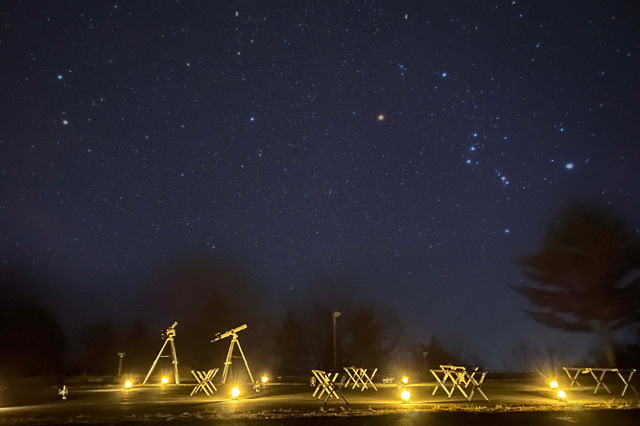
[(235, 392), (405, 395), (553, 384), (164, 380), (127, 384)]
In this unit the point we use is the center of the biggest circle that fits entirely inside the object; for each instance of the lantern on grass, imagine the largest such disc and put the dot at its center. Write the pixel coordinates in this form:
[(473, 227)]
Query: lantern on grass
[(235, 393)]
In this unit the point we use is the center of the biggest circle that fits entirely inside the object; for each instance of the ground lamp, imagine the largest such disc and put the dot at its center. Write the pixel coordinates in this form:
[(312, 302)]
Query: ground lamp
[(405, 395), (235, 393)]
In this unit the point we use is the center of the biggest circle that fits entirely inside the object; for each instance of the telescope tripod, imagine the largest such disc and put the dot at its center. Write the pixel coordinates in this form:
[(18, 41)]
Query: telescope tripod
[(227, 362), (234, 341), (171, 333)]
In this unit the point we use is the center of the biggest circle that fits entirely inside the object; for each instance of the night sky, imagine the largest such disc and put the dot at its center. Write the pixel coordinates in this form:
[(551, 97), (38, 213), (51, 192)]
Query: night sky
[(412, 149)]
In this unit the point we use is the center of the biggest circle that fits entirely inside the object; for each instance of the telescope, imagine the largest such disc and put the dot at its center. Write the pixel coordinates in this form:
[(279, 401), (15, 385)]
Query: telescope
[(171, 331), (232, 332), (169, 337)]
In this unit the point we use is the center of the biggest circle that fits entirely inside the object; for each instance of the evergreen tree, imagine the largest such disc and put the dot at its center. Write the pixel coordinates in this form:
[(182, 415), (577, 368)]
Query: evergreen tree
[(585, 278), (290, 346)]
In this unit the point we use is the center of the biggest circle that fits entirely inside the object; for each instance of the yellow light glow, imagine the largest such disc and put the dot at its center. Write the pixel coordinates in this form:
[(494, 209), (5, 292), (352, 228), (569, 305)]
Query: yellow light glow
[(265, 379), (127, 384), (562, 394), (380, 117), (235, 392), (405, 395), (554, 384), (164, 380), (405, 380)]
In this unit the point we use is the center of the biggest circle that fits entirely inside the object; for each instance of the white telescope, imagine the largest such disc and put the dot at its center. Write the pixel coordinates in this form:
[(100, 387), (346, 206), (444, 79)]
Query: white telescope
[(229, 333), (233, 333)]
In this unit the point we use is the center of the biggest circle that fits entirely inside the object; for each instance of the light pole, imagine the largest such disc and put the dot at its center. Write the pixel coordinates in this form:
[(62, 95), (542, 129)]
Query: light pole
[(335, 342), (121, 356)]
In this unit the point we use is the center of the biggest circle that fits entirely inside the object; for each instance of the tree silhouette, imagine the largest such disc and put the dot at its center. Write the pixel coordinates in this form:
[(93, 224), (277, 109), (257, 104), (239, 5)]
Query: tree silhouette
[(586, 276), (374, 336), (139, 346), (99, 353), (32, 338), (290, 346)]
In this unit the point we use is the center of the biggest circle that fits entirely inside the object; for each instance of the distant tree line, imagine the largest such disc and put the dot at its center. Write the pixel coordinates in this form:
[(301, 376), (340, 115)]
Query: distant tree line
[(585, 278)]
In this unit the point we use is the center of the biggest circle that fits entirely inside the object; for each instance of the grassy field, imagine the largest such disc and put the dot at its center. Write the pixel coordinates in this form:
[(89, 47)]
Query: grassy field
[(509, 400)]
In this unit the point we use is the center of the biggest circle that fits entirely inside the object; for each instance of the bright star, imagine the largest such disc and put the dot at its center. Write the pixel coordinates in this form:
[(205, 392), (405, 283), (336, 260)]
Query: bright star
[(65, 122), (252, 119), (60, 77), (380, 117), (568, 166), (475, 135), (444, 74), (506, 231)]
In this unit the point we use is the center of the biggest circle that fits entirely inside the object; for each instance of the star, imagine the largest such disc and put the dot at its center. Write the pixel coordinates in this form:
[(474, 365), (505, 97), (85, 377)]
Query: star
[(568, 166), (380, 117), (444, 74), (65, 122), (60, 77)]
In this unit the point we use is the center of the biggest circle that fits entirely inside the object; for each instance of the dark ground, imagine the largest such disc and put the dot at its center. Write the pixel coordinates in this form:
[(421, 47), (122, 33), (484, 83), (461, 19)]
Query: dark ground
[(512, 402)]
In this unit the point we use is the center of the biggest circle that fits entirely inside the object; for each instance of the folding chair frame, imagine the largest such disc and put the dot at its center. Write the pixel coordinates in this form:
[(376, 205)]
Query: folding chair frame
[(205, 381)]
